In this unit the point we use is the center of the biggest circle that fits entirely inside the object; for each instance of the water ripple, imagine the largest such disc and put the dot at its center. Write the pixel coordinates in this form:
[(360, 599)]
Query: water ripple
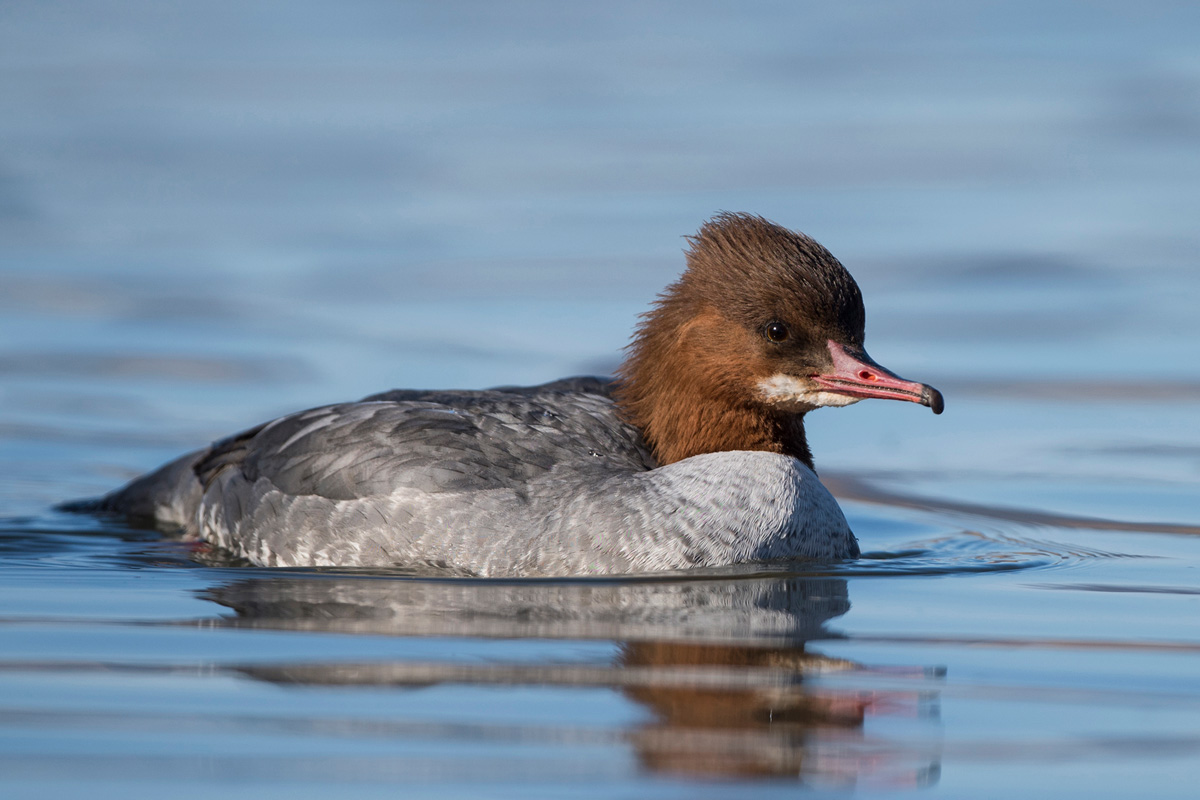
[(970, 552)]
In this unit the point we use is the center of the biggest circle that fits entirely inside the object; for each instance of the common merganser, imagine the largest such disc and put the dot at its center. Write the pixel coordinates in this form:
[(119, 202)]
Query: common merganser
[(695, 456)]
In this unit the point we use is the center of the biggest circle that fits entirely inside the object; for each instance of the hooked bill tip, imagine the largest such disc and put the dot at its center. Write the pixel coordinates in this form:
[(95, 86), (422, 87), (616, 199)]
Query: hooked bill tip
[(933, 398)]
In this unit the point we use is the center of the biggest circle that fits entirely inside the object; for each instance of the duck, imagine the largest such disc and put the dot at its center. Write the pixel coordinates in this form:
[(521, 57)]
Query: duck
[(694, 456)]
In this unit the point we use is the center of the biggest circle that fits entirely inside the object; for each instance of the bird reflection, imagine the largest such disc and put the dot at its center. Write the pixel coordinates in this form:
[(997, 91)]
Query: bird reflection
[(721, 664)]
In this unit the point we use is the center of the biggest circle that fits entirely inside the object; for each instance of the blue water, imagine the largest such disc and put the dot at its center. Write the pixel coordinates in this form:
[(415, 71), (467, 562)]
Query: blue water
[(212, 214)]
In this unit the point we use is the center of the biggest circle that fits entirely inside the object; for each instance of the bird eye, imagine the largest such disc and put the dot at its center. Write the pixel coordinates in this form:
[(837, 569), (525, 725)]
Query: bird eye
[(776, 331)]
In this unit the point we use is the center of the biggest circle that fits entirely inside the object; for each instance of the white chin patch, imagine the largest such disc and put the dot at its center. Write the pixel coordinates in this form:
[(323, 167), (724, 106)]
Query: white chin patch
[(789, 392)]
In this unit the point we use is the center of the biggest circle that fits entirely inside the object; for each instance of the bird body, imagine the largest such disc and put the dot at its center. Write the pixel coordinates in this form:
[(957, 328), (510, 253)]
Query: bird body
[(694, 457)]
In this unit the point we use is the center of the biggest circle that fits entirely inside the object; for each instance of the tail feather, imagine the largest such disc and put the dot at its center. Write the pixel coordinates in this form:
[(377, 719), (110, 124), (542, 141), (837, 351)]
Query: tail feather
[(169, 495)]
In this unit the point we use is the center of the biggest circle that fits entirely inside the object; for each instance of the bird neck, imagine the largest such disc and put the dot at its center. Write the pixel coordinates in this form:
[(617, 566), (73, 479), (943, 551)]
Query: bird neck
[(684, 386)]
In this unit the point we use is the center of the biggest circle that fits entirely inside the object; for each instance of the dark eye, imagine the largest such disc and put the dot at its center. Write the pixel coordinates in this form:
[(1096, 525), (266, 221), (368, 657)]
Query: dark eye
[(776, 331)]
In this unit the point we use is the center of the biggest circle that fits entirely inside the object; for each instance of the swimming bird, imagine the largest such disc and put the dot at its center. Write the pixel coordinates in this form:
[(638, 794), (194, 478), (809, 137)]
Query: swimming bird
[(694, 456)]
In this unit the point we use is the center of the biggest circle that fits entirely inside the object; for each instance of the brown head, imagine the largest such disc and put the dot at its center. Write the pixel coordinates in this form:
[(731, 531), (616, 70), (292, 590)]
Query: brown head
[(764, 326)]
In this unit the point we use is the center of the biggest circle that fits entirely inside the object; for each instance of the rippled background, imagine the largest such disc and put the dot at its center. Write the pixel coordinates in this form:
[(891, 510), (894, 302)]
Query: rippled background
[(215, 213)]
